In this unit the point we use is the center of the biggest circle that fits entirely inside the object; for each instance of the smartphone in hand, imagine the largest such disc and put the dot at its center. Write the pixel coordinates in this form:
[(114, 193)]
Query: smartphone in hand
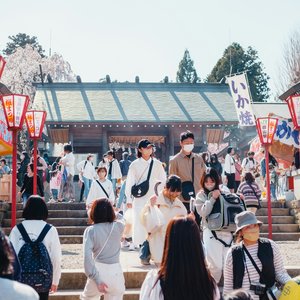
[(192, 204)]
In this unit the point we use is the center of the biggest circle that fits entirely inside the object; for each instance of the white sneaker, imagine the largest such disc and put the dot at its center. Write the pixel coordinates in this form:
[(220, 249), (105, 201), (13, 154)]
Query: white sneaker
[(125, 244), (131, 247)]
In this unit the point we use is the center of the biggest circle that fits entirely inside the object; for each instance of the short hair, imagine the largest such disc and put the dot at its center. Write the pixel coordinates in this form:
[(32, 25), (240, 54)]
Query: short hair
[(186, 135), (111, 153), (239, 294), (3, 160), (213, 175), (229, 149), (102, 211), (68, 148), (174, 184), (89, 155), (249, 177), (100, 169), (31, 167), (35, 209)]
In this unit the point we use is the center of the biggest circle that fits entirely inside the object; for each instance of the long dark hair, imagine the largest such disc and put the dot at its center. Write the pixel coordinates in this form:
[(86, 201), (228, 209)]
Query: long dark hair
[(183, 272)]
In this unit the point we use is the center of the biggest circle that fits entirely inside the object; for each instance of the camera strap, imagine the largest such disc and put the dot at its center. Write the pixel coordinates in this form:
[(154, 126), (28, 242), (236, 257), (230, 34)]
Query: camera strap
[(252, 261)]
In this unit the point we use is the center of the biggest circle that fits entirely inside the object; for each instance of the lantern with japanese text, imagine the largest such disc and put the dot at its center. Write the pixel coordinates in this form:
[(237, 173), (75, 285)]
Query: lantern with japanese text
[(14, 108), (2, 65), (35, 120), (294, 107), (266, 128)]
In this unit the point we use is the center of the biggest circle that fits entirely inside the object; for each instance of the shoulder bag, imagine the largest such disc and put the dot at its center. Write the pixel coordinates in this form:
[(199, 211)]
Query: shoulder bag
[(188, 189), (140, 190), (103, 189)]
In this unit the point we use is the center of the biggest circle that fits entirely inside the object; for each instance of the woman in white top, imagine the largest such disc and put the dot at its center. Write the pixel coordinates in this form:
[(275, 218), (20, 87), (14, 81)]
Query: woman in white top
[(229, 169), (35, 214), (101, 247), (253, 261), (169, 206), (87, 171), (100, 188), (138, 172), (183, 273)]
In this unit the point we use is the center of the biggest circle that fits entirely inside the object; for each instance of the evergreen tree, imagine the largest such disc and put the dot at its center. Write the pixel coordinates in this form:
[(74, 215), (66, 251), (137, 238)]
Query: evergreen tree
[(21, 40), (186, 71), (235, 59)]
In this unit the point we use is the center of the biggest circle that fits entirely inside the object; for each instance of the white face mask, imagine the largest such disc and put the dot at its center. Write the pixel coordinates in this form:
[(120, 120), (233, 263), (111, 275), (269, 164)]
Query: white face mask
[(210, 187), (188, 148)]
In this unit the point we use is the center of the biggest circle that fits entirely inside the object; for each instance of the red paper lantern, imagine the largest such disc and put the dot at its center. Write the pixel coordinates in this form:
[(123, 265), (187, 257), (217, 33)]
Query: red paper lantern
[(2, 65), (35, 121), (266, 128), (14, 107), (294, 107)]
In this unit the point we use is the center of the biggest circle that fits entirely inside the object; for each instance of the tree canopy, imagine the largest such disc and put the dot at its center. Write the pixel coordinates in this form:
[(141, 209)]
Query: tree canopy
[(21, 40), (186, 71), (236, 59)]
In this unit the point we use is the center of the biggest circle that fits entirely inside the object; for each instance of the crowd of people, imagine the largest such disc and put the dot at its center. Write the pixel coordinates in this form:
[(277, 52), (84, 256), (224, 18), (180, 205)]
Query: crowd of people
[(174, 221)]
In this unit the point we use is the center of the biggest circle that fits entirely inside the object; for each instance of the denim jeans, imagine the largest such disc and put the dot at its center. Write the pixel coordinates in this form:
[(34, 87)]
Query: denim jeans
[(273, 191), (87, 185), (54, 193), (25, 197), (122, 196)]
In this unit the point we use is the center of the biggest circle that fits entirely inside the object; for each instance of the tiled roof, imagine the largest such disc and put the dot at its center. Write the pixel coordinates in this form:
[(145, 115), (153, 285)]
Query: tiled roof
[(135, 102)]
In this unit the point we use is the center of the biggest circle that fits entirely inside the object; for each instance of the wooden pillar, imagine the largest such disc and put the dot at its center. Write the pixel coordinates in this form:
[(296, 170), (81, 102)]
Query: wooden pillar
[(203, 139), (170, 143)]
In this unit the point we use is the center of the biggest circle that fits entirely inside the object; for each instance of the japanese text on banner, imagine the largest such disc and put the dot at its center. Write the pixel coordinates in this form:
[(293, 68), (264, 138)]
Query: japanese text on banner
[(241, 98), (286, 133)]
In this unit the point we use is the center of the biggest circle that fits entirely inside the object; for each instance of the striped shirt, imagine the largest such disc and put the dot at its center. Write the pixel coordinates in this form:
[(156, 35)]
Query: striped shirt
[(281, 274), (249, 196)]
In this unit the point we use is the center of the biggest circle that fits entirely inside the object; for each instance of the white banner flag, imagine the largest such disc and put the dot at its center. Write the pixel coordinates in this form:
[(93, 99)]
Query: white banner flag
[(241, 98)]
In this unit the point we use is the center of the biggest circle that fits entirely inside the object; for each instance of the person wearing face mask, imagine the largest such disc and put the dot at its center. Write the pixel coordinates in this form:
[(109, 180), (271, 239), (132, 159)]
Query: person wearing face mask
[(218, 242), (87, 171), (189, 167), (170, 206), (249, 164), (113, 170), (215, 164), (254, 263), (144, 169)]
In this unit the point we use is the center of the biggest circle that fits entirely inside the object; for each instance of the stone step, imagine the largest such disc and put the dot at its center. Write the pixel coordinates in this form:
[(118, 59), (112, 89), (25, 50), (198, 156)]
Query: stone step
[(275, 212), (130, 294), (277, 219), (55, 222), (283, 236), (56, 214), (72, 293), (277, 228), (71, 239), (60, 206), (274, 204), (76, 279)]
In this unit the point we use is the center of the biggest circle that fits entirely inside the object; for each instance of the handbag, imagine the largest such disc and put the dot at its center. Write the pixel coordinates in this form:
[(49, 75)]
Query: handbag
[(154, 219), (145, 251), (140, 190), (187, 187)]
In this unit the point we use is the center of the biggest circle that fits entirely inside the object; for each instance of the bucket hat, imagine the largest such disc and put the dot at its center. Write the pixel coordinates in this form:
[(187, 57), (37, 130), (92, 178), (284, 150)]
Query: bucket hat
[(245, 219)]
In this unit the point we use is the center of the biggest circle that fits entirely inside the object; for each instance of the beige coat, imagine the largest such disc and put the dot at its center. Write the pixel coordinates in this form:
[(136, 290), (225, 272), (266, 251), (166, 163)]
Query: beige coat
[(169, 211)]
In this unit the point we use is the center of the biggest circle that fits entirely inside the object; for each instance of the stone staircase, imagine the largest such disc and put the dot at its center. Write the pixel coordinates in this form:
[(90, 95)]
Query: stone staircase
[(70, 219)]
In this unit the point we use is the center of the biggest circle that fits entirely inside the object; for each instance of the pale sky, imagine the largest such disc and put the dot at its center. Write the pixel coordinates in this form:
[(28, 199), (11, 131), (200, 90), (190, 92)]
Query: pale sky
[(125, 38)]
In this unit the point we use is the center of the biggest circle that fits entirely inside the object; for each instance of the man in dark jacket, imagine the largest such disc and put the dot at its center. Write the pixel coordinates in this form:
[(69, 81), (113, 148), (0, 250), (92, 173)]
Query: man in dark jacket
[(124, 165)]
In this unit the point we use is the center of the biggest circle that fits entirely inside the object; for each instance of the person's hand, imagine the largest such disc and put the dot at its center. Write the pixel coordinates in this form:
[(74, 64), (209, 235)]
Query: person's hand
[(53, 288), (102, 288), (192, 216), (242, 196), (153, 200), (129, 205), (216, 194), (19, 193)]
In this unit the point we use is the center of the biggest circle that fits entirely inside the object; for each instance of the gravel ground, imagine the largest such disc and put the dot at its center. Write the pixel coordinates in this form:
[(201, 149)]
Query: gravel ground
[(73, 258)]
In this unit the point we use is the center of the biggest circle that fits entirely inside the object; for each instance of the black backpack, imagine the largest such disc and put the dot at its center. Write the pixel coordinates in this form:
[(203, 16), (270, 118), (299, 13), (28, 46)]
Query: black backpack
[(37, 270)]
